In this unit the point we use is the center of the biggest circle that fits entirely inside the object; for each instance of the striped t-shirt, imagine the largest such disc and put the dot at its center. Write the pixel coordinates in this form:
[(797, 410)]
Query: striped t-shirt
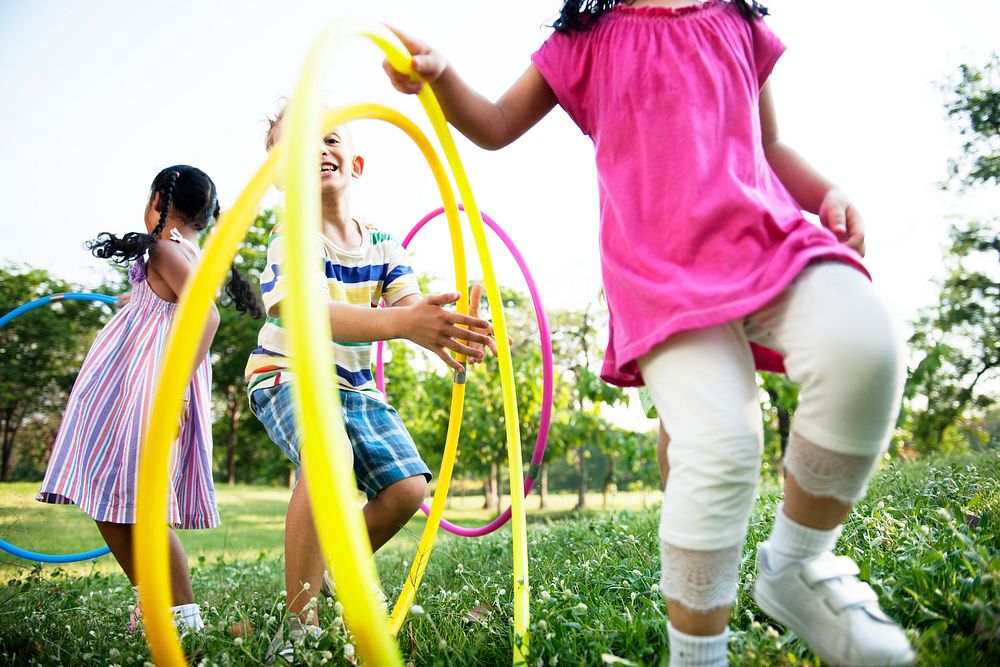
[(374, 271)]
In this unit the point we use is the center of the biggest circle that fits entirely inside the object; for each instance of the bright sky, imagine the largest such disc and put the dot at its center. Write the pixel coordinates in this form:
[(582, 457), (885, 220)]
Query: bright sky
[(101, 95)]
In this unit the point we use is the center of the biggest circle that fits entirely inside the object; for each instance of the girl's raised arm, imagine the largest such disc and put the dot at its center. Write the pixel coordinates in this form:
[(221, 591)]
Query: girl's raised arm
[(813, 191), (490, 125)]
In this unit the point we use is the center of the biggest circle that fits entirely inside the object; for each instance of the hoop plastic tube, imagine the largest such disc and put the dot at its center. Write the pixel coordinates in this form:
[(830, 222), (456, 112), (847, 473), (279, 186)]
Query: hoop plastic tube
[(17, 312), (545, 339)]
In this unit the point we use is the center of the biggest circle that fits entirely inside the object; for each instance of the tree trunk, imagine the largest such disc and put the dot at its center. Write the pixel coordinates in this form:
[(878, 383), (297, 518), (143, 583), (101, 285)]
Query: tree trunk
[(234, 408), (8, 449), (543, 486), (609, 480), (9, 419), (497, 471), (491, 488), (581, 494)]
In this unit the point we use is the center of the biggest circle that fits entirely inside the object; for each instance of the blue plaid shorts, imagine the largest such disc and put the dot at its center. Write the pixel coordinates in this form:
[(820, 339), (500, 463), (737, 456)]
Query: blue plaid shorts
[(384, 452)]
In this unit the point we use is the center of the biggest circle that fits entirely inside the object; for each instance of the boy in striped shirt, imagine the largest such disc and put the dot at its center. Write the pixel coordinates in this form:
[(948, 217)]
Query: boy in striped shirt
[(362, 266)]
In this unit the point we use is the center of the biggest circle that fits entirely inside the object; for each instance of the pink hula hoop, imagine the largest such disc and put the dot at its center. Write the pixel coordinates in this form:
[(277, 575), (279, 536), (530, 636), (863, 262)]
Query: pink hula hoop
[(547, 376)]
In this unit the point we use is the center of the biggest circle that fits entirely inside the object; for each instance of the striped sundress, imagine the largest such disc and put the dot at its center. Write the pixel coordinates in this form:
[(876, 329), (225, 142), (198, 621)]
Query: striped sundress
[(95, 460)]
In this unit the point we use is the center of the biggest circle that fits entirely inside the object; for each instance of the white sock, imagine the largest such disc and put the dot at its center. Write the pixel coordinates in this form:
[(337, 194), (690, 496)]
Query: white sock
[(694, 651), (791, 541), (188, 616)]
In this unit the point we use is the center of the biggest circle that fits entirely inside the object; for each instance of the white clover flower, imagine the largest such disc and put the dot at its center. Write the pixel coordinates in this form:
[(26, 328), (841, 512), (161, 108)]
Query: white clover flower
[(339, 607), (636, 573), (327, 656), (238, 641), (442, 645), (306, 586), (653, 588), (416, 610), (771, 632), (348, 651), (925, 530), (542, 624), (283, 594), (502, 591), (546, 596)]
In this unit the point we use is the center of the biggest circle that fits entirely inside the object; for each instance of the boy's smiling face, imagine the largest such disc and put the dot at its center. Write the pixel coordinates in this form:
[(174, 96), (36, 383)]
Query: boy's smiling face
[(338, 161)]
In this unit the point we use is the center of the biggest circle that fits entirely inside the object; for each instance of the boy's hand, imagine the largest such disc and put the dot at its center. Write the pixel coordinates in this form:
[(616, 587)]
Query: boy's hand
[(427, 62), (839, 215), (436, 329), (475, 295)]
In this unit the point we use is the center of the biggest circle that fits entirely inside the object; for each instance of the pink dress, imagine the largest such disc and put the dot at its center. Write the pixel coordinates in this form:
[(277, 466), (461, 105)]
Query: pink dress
[(696, 229), (95, 459)]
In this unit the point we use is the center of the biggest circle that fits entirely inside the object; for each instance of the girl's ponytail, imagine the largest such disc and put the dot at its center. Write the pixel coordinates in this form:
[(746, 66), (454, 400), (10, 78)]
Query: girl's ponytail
[(133, 245), (242, 295)]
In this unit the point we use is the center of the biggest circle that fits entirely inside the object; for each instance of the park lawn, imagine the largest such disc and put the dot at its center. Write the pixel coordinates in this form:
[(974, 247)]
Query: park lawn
[(927, 538), (253, 519)]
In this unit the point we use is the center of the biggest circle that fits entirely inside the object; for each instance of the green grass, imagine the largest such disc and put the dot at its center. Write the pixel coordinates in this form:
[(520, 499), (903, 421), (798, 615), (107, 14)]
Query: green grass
[(927, 538)]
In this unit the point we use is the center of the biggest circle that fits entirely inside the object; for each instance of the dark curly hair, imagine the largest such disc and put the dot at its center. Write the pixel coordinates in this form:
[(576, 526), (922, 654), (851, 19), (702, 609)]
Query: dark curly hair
[(191, 195), (582, 15)]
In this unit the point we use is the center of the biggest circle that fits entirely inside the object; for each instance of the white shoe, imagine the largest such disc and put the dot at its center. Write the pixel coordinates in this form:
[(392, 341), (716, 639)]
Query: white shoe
[(822, 601)]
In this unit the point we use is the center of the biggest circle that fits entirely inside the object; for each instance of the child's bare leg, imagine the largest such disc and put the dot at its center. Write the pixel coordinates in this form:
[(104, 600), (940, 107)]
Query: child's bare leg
[(813, 511), (119, 538), (662, 440), (303, 554), (389, 511)]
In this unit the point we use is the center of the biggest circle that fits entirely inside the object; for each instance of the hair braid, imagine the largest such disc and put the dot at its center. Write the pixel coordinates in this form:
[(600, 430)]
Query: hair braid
[(166, 194)]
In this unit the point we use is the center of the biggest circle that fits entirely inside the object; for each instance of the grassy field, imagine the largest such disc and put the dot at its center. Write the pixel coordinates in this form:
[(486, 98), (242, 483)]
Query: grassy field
[(927, 539)]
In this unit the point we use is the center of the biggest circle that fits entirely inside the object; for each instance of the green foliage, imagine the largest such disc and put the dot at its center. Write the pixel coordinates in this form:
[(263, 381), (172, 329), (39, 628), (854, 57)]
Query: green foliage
[(975, 106), (927, 539), (242, 448), (957, 345), (40, 355)]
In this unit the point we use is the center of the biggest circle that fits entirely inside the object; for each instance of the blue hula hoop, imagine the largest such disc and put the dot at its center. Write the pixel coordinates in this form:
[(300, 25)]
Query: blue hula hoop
[(20, 310)]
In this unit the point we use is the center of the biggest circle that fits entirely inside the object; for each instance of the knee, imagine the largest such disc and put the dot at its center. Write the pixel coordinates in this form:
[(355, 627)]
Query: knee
[(866, 352), (403, 498)]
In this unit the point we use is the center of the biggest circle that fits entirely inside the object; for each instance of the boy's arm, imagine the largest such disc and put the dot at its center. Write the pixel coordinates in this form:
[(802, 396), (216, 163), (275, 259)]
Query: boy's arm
[(490, 125), (811, 190), (421, 320)]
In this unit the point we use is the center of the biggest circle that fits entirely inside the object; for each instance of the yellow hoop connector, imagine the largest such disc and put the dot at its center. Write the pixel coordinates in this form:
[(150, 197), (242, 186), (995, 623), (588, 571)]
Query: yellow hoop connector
[(343, 536)]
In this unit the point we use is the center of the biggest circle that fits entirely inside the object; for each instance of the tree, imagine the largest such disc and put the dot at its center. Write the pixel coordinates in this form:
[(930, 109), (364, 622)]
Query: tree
[(235, 338), (42, 352), (975, 106), (573, 342), (957, 340)]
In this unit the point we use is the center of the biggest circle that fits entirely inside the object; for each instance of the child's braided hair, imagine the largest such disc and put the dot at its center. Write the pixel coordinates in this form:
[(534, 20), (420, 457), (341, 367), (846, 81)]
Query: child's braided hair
[(190, 194)]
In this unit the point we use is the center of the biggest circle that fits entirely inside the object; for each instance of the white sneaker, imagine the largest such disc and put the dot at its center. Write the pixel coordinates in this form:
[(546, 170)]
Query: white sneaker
[(822, 601)]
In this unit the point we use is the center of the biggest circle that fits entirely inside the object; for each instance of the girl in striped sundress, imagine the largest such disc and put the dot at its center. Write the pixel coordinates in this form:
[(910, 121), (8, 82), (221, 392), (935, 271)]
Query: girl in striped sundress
[(94, 462)]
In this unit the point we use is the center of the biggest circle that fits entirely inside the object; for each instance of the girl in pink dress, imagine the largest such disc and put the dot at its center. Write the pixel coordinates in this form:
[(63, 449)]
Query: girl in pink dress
[(95, 460), (705, 250)]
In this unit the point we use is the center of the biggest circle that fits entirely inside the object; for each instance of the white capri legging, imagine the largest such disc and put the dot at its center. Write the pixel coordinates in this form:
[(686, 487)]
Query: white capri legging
[(839, 346)]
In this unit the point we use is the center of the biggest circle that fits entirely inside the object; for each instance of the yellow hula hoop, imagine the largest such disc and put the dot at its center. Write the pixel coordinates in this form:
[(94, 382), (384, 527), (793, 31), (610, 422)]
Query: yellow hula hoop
[(332, 476)]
